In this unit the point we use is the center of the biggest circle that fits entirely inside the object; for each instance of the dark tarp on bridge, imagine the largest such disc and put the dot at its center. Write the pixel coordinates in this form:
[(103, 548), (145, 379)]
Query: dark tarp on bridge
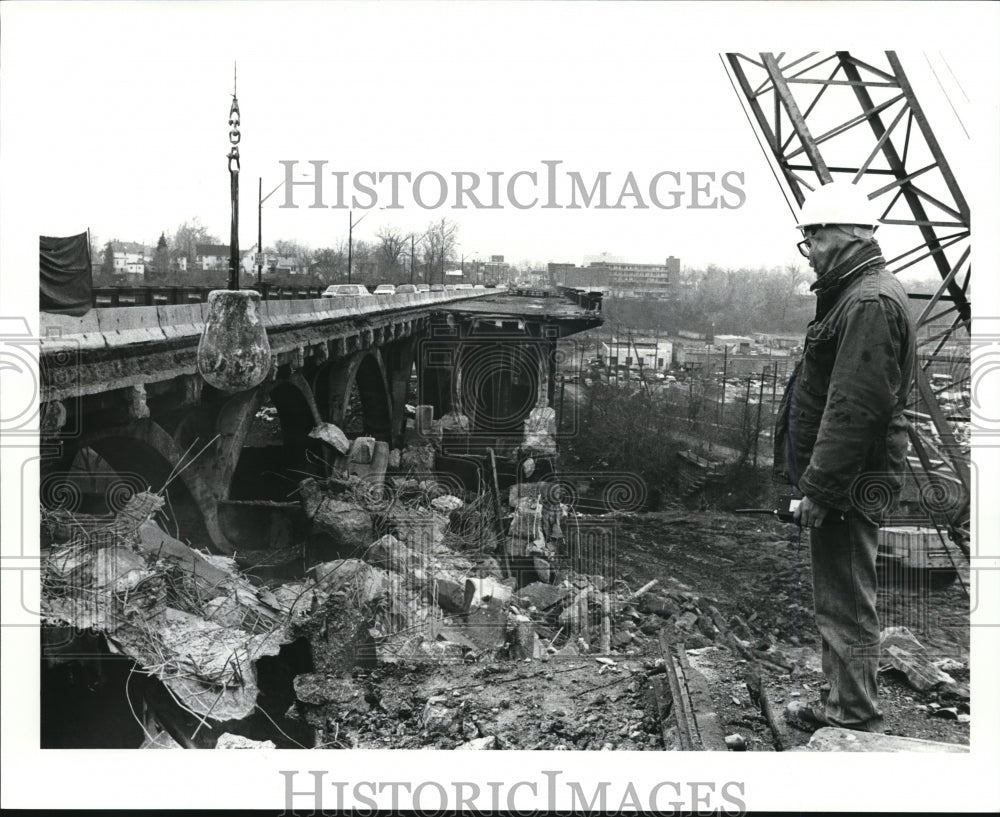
[(65, 277)]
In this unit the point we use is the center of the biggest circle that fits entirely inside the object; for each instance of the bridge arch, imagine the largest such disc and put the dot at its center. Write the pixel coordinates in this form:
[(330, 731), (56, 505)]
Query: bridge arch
[(361, 376), (247, 444), (145, 456)]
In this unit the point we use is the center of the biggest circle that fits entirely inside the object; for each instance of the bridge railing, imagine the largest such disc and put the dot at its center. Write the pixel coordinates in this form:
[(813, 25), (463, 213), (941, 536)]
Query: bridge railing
[(588, 299), (104, 297)]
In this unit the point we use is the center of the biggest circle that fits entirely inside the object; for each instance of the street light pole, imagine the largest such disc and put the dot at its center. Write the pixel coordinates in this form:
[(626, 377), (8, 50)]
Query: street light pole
[(350, 243), (260, 241), (260, 249)]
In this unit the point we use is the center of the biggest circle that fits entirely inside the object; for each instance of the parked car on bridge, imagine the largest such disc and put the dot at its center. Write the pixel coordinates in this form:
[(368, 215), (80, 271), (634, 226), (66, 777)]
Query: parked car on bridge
[(423, 288), (463, 286), (346, 291), (437, 288), (385, 289), (404, 289)]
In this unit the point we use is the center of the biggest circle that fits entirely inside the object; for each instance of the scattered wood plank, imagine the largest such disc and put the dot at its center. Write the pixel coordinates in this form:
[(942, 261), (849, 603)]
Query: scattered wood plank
[(605, 623), (758, 695), (645, 588)]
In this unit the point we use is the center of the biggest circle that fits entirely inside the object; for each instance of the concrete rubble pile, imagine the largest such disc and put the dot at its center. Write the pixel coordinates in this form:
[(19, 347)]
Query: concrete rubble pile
[(190, 619)]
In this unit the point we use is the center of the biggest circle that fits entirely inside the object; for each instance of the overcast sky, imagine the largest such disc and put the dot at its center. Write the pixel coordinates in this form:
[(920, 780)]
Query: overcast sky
[(120, 115)]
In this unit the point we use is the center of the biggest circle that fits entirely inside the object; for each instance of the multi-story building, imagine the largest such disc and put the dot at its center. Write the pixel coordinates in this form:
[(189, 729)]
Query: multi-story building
[(621, 278)]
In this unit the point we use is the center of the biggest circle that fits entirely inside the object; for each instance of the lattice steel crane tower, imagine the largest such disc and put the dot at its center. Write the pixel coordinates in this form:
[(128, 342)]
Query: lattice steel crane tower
[(825, 116)]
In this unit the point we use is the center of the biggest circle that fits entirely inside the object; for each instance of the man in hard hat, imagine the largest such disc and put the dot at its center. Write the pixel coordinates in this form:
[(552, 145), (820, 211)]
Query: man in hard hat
[(840, 441)]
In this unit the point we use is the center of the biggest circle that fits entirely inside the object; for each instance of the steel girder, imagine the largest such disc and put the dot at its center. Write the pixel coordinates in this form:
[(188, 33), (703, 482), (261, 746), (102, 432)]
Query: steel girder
[(826, 116)]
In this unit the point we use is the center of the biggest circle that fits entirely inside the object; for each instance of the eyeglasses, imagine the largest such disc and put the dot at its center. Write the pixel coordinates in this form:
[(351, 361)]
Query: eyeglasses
[(803, 246)]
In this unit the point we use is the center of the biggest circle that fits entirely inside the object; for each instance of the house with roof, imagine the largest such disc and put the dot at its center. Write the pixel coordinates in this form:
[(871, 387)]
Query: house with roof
[(128, 257), (211, 256)]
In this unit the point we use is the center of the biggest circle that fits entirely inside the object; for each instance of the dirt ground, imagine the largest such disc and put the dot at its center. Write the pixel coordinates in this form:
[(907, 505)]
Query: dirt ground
[(756, 571)]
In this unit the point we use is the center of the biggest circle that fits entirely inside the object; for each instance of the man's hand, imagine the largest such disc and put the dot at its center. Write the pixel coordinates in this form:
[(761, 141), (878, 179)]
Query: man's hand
[(810, 514)]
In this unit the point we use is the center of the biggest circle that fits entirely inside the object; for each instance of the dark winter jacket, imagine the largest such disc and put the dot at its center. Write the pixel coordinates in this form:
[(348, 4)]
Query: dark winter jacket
[(840, 436)]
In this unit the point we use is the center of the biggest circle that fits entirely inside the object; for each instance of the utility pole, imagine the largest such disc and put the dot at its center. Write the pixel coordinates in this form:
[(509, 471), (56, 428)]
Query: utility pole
[(260, 248), (411, 257), (350, 243), (722, 404), (746, 409), (760, 404)]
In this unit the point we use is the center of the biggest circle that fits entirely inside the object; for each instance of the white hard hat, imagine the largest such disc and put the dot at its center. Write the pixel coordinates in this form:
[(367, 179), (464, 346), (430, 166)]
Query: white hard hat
[(838, 203)]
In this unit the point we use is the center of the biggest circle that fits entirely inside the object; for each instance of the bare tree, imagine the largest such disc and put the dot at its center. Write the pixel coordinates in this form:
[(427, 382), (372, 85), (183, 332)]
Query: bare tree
[(392, 245), (330, 264), (186, 239), (794, 276), (439, 246)]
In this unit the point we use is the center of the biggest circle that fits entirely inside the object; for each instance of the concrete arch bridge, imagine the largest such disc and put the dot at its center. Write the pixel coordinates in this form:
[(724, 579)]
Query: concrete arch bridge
[(123, 407)]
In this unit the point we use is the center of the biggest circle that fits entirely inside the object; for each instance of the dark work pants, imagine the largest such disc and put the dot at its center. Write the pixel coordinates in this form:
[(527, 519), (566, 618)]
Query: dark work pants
[(845, 588)]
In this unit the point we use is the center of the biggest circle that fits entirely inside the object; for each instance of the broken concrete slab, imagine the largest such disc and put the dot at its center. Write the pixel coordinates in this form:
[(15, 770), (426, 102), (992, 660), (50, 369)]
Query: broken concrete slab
[(117, 569), (436, 717), (920, 673), (341, 529), (418, 528), (543, 596), (900, 650), (836, 739), (311, 496), (447, 503), (240, 609), (486, 587), (362, 450), (453, 422), (659, 606), (322, 689), (333, 436), (543, 568), (455, 634), (391, 554), (486, 625), (154, 542), (522, 642), (450, 596), (229, 741), (418, 459), (900, 637), (354, 578), (478, 744), (686, 621), (209, 667), (443, 650)]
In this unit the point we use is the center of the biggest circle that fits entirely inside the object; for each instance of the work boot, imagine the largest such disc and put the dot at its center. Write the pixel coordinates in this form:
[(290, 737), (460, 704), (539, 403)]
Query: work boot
[(807, 717)]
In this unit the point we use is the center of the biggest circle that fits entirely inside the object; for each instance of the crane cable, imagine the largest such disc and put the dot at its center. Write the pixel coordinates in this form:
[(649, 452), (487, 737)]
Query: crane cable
[(945, 92), (768, 154)]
